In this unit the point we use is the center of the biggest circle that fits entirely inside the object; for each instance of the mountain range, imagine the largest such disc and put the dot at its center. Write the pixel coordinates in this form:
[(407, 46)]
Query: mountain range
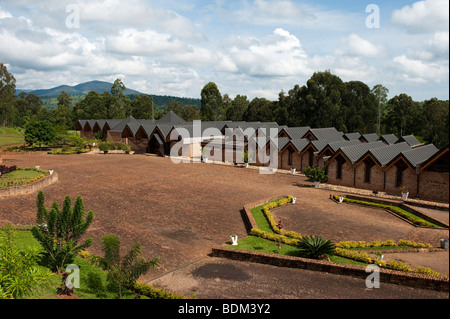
[(100, 87)]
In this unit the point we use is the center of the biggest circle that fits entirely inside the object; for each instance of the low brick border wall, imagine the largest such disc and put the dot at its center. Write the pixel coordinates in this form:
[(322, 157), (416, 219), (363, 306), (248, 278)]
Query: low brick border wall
[(386, 275), (30, 187)]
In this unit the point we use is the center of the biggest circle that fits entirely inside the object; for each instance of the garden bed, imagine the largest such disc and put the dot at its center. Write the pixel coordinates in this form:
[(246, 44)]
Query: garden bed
[(273, 241)]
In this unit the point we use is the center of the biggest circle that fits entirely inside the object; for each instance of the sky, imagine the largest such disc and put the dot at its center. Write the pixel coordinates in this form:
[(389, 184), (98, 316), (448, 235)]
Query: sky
[(256, 48)]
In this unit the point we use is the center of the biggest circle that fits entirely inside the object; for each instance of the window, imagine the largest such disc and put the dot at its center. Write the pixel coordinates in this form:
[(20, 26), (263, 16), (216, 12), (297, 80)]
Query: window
[(400, 166), (340, 161), (290, 157), (368, 169)]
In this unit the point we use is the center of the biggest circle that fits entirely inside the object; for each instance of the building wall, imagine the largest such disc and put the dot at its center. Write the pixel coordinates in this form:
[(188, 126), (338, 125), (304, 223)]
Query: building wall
[(409, 181), (347, 174), (283, 160), (434, 186), (87, 134), (305, 159), (114, 136), (138, 145), (376, 177)]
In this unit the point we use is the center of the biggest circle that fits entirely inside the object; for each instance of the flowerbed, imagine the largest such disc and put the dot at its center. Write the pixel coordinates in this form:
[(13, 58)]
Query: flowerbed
[(345, 249)]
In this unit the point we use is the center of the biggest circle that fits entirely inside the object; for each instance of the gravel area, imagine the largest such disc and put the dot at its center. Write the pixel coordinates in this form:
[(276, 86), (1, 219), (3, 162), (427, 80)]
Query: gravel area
[(179, 211)]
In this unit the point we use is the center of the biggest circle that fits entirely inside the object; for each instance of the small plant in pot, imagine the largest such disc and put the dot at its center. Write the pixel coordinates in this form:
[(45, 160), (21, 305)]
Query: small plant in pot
[(247, 157), (405, 192), (104, 147), (316, 174)]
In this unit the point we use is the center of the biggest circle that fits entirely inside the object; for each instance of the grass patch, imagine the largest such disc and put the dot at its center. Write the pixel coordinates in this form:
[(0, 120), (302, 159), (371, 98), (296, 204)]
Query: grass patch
[(93, 281), (417, 220), (11, 136)]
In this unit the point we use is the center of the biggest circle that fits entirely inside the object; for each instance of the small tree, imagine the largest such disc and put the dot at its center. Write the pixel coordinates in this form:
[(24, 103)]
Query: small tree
[(39, 132), (316, 174), (127, 269), (59, 231)]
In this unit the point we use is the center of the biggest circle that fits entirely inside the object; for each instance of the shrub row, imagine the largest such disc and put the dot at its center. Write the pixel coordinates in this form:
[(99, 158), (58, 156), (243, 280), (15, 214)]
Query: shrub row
[(392, 264), (114, 146), (396, 210), (376, 243)]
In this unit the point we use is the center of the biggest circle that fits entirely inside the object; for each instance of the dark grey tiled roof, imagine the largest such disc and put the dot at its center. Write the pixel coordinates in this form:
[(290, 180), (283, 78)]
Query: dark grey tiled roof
[(296, 132), (319, 145), (300, 144), (354, 152), (389, 138), (120, 126), (385, 154), (370, 137), (336, 145), (418, 155), (410, 139), (328, 133), (352, 136), (171, 118), (133, 127)]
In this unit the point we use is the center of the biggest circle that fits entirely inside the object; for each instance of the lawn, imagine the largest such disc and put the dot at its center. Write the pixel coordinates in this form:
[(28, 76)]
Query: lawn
[(93, 281), (10, 136), (21, 176)]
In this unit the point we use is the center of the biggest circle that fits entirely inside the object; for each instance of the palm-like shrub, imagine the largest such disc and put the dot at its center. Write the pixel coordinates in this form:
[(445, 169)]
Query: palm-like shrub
[(124, 270), (58, 231), (315, 247)]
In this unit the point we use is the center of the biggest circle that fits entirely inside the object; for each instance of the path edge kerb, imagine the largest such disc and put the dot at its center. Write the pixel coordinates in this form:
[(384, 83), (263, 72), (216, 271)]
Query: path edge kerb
[(386, 275), (29, 188)]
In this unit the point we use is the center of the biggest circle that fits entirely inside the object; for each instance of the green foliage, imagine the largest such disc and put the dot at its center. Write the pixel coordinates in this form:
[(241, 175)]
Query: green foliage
[(153, 293), (127, 269), (114, 146), (315, 247), (39, 132), (58, 231), (19, 269), (315, 174)]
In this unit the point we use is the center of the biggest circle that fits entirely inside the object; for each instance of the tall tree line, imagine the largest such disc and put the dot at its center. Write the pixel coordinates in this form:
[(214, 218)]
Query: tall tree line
[(327, 101)]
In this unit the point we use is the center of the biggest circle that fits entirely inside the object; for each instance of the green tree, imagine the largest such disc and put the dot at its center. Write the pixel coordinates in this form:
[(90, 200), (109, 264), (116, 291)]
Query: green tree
[(124, 270), (402, 115), (142, 107), (237, 108), (381, 96), (435, 128), (7, 95), (120, 104), (39, 132), (62, 116), (59, 231), (211, 103)]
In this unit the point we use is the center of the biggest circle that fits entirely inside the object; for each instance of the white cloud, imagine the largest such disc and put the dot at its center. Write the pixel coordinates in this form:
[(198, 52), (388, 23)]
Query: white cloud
[(417, 71), (279, 55), (5, 14), (363, 48), (423, 16)]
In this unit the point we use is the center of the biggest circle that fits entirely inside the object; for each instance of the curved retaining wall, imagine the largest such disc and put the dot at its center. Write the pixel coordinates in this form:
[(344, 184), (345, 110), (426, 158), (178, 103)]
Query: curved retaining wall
[(30, 187)]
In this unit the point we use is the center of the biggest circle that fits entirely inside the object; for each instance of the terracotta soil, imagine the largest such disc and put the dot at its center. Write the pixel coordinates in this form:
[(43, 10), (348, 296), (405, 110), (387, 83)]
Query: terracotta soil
[(180, 211)]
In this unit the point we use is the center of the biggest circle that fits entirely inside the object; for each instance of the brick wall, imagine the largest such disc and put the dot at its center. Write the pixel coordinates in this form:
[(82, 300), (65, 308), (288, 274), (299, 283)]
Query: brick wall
[(376, 177), (409, 180), (434, 186), (347, 174), (283, 160)]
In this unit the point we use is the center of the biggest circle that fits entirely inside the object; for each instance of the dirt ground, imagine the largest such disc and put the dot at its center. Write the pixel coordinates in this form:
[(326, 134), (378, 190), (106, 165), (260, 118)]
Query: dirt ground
[(179, 211)]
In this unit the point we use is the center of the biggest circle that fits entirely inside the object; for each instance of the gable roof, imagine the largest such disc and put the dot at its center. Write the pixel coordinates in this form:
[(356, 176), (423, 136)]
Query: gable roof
[(410, 139), (171, 118), (389, 138), (352, 136), (354, 152), (296, 132), (370, 137), (383, 155), (328, 133), (432, 159)]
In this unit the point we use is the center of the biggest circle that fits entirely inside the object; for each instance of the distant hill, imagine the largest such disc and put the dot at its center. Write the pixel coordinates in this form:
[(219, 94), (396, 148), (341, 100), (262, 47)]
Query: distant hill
[(48, 96)]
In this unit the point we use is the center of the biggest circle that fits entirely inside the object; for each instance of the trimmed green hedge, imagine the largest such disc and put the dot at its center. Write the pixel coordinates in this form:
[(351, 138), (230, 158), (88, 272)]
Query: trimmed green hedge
[(396, 210)]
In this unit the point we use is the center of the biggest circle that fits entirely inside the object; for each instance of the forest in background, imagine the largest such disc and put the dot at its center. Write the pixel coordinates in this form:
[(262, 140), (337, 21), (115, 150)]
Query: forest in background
[(323, 101)]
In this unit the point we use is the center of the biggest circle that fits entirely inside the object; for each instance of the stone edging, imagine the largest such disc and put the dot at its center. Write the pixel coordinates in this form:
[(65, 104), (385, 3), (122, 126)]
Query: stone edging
[(386, 275), (30, 187)]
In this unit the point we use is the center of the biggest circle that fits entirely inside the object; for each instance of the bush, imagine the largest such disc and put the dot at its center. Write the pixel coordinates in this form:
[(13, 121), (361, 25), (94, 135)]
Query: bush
[(316, 247), (315, 174)]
